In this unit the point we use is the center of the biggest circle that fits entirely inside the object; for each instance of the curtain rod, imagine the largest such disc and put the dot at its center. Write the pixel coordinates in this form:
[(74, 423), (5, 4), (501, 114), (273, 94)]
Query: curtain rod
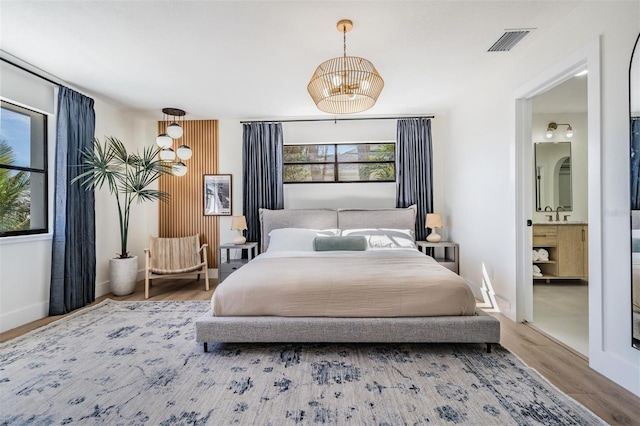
[(31, 72), (307, 120)]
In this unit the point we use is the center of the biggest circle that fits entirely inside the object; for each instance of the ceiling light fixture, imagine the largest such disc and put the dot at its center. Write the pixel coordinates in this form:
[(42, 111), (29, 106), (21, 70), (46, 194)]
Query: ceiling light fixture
[(165, 141), (552, 127), (347, 84)]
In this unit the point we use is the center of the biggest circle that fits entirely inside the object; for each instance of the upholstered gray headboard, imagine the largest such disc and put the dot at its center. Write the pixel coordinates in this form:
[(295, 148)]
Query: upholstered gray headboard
[(308, 219), (332, 219), (379, 218)]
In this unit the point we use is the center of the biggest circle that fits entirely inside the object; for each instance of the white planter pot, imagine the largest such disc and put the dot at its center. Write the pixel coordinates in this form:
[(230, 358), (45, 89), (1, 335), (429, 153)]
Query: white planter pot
[(123, 274)]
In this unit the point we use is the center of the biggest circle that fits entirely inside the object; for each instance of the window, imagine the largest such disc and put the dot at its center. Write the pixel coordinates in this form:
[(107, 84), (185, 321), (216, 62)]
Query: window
[(23, 171), (354, 162)]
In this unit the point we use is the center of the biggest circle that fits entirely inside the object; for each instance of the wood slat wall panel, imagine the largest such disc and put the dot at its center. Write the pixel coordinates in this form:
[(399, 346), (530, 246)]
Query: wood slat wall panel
[(184, 213)]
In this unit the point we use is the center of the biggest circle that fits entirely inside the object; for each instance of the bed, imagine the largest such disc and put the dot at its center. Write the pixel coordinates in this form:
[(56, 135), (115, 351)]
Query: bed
[(343, 276)]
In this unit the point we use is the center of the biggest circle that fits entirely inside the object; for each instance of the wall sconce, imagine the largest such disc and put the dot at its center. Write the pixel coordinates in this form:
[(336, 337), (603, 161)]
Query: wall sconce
[(552, 127), (165, 141)]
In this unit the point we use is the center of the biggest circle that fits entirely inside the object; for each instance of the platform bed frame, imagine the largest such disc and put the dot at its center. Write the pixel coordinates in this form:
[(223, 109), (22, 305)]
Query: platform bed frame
[(478, 328)]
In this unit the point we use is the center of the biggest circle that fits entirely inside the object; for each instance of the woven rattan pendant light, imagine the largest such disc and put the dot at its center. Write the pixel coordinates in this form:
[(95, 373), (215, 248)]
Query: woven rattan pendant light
[(346, 84)]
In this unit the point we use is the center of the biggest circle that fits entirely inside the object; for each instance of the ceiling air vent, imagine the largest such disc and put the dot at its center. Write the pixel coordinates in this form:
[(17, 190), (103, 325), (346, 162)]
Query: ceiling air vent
[(509, 39)]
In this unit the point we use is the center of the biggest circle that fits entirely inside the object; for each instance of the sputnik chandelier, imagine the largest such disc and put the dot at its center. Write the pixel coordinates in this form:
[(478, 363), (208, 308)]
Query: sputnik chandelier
[(347, 84), (165, 142)]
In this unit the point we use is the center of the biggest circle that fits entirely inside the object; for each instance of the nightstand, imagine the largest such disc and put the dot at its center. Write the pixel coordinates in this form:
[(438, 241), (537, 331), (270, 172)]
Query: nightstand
[(445, 253), (227, 267)]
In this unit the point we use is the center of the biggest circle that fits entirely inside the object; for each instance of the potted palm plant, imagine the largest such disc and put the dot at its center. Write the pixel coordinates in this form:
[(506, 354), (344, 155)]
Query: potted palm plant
[(128, 176)]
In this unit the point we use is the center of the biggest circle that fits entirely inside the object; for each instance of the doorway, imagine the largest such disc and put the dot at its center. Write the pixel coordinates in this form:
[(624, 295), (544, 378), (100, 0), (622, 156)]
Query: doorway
[(560, 216), (586, 58)]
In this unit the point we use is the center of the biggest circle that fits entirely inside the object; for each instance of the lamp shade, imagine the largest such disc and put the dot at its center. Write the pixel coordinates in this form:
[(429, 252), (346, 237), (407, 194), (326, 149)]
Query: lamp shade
[(345, 85), (433, 221), (238, 223), (184, 152), (167, 155), (174, 130), (179, 169), (569, 132), (164, 141)]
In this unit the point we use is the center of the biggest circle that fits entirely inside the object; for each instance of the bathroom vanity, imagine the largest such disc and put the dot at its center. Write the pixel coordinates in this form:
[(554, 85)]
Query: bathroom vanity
[(567, 244)]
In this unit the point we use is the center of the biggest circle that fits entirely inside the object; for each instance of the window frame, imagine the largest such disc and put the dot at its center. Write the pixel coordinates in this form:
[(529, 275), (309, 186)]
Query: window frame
[(336, 162), (44, 170)]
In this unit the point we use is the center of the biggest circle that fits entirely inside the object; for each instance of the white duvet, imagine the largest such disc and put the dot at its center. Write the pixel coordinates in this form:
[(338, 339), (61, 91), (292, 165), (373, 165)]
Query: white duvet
[(372, 283)]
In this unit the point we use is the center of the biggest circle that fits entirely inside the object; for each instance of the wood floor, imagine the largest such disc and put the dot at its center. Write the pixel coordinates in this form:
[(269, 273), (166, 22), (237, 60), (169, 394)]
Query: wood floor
[(563, 367)]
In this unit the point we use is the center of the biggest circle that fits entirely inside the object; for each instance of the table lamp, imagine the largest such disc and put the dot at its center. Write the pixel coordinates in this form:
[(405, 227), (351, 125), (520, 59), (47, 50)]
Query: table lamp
[(239, 223), (433, 221)]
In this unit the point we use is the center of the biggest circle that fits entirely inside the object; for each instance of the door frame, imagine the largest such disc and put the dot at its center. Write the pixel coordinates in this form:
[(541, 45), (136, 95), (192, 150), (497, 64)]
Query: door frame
[(586, 57)]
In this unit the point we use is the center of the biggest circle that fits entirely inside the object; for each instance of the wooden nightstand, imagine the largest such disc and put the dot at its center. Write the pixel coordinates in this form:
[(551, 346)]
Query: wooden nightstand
[(227, 267), (445, 253)]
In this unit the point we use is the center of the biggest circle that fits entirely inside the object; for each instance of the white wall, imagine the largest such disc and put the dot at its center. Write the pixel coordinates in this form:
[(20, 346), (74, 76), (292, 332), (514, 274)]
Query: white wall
[(579, 170), (24, 289), (339, 195), (25, 261), (230, 155), (343, 195), (635, 77), (118, 123), (482, 173)]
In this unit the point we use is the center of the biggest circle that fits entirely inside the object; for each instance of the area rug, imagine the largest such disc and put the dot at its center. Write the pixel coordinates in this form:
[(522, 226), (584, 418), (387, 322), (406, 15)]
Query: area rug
[(134, 363)]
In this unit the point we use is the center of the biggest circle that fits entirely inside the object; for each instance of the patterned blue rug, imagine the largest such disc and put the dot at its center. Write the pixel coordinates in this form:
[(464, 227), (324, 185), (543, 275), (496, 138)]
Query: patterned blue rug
[(134, 363)]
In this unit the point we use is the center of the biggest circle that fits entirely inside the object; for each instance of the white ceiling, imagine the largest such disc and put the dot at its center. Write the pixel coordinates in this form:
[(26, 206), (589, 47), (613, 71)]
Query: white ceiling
[(568, 97), (242, 59)]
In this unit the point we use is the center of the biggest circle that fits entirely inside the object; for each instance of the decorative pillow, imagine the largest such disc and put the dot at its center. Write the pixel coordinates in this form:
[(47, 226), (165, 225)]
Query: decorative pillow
[(384, 238), (296, 239), (339, 243)]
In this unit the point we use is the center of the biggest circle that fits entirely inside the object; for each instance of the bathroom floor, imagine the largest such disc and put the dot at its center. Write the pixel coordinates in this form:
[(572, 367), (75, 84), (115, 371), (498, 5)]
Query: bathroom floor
[(561, 310)]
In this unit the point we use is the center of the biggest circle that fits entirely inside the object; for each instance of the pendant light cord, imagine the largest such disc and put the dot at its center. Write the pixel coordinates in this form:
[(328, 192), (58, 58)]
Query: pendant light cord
[(344, 58)]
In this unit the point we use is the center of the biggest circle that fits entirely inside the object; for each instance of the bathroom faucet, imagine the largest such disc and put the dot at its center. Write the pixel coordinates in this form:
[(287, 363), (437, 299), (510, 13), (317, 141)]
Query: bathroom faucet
[(558, 210)]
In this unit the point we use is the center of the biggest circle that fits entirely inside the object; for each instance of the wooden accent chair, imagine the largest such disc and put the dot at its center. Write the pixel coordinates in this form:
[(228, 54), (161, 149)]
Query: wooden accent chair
[(170, 257)]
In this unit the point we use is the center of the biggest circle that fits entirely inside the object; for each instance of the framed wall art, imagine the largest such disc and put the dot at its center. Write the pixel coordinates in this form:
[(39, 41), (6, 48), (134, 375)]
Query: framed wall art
[(217, 195)]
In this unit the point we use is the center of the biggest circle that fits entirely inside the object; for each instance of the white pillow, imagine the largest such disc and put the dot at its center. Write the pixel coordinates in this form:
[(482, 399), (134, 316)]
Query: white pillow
[(296, 239), (384, 238)]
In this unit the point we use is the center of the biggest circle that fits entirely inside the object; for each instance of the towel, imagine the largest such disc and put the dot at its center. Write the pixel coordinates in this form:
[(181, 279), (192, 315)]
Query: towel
[(543, 255), (536, 271), (535, 255)]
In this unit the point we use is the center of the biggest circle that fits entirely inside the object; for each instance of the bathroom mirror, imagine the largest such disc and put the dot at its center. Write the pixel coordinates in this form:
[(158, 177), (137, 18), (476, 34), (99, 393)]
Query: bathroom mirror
[(634, 110), (553, 175)]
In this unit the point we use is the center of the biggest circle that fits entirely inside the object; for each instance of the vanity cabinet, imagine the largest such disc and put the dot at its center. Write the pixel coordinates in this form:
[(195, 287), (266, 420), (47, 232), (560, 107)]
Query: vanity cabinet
[(567, 246)]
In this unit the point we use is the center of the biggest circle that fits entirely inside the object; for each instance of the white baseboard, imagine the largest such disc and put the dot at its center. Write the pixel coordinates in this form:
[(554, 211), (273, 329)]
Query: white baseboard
[(13, 319), (104, 287)]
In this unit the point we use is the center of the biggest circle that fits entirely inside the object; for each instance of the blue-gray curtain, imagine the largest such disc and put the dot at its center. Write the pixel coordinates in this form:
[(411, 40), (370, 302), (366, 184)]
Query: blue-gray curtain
[(261, 172), (635, 163), (414, 175), (73, 259)]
